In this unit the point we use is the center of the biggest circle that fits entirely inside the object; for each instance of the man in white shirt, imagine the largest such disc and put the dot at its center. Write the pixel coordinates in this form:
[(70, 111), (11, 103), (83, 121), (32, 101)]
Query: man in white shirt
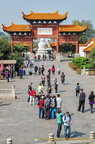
[(59, 102)]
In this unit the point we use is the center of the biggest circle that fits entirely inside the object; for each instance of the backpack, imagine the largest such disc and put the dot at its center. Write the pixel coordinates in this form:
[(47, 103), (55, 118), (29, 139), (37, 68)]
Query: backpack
[(52, 103), (77, 88)]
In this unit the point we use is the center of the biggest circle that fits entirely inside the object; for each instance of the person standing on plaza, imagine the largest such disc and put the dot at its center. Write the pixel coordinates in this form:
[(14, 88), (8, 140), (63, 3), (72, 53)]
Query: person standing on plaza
[(49, 90), (7, 74), (91, 100), (47, 107), (53, 107), (59, 102), (41, 109), (42, 69), (36, 69), (21, 73), (56, 85), (62, 78), (67, 125), (32, 95), (43, 79), (48, 78), (81, 97), (29, 89), (77, 89), (39, 70), (40, 88), (53, 69), (59, 122), (49, 71), (59, 70)]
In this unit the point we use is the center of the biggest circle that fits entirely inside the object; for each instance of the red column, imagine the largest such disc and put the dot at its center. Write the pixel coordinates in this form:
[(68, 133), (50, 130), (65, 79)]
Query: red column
[(12, 45), (77, 47), (31, 46), (57, 45)]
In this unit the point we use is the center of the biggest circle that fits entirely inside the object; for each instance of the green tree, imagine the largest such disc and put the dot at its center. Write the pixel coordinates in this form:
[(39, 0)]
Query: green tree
[(18, 57), (5, 49), (20, 48), (88, 34), (92, 54), (67, 48)]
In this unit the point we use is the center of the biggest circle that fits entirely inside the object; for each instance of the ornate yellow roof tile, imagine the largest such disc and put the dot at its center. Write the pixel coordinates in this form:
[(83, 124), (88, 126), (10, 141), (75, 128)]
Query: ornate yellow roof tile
[(72, 28), (17, 28), (89, 48), (44, 16)]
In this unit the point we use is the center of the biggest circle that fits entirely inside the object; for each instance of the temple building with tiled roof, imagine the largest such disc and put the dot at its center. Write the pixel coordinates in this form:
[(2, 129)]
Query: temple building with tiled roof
[(44, 25), (85, 49)]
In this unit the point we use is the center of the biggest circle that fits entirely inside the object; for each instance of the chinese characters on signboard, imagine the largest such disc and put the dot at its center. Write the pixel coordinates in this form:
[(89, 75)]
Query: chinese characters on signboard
[(44, 31)]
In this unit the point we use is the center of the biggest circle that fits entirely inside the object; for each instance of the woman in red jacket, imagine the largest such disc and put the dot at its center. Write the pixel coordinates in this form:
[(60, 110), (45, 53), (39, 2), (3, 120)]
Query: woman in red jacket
[(41, 109), (32, 95)]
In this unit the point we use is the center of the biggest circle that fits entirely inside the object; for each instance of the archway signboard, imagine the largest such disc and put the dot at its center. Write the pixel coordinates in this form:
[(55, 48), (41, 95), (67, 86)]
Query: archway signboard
[(44, 25)]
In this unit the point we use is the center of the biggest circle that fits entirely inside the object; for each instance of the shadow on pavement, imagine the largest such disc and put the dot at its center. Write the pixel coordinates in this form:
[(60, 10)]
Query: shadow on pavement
[(61, 91), (75, 134), (5, 104), (67, 83)]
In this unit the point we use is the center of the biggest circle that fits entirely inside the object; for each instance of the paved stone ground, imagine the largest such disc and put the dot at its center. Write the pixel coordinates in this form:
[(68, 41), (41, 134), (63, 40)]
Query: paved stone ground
[(20, 121)]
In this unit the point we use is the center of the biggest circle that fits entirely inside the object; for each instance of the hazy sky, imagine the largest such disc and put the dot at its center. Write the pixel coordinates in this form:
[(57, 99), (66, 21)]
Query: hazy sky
[(11, 10)]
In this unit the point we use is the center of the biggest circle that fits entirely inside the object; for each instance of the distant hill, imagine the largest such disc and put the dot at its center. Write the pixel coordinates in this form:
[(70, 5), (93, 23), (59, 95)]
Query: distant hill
[(4, 36)]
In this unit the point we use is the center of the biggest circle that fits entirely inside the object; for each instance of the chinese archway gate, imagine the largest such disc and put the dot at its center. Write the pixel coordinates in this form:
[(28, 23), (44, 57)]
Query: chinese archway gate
[(44, 25)]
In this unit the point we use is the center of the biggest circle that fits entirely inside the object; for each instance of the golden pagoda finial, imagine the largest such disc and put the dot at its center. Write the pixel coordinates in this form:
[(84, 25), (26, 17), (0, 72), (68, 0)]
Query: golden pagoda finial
[(66, 13), (3, 25), (76, 22), (31, 12), (57, 12), (12, 23)]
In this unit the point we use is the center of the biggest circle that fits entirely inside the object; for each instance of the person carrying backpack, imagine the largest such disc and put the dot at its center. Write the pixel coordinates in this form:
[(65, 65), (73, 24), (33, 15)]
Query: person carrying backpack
[(77, 89), (67, 125), (53, 107)]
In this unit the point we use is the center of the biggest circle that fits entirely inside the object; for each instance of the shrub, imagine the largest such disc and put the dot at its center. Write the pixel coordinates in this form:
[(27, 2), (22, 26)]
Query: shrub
[(79, 61), (87, 66)]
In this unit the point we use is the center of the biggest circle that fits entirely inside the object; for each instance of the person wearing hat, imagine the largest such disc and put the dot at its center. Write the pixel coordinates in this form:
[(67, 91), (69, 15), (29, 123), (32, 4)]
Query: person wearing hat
[(41, 109), (32, 95)]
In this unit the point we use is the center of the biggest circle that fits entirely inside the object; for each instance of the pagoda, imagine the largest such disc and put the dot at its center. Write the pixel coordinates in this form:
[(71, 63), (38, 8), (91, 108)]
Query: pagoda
[(44, 25)]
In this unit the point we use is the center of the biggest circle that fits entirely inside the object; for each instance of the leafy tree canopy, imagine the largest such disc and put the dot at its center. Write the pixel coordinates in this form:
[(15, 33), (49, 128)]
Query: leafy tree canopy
[(20, 48), (5, 49), (88, 34), (92, 54)]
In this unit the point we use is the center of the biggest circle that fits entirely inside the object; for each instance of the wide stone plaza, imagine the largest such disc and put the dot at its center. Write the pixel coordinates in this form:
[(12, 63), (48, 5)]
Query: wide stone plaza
[(20, 121)]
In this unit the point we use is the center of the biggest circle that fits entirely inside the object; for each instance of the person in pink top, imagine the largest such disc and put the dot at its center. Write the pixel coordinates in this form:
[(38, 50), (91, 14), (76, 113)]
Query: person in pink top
[(53, 69)]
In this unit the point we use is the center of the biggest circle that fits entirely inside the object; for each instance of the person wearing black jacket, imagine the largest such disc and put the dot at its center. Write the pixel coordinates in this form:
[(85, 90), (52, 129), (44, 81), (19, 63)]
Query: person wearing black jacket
[(29, 89), (91, 100), (81, 97)]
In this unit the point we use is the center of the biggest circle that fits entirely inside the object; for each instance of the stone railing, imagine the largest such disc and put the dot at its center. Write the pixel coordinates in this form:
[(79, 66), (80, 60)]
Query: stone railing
[(7, 93), (52, 140), (87, 71)]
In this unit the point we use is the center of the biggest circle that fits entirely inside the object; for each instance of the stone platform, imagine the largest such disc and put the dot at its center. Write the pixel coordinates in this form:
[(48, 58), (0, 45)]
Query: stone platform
[(20, 121)]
